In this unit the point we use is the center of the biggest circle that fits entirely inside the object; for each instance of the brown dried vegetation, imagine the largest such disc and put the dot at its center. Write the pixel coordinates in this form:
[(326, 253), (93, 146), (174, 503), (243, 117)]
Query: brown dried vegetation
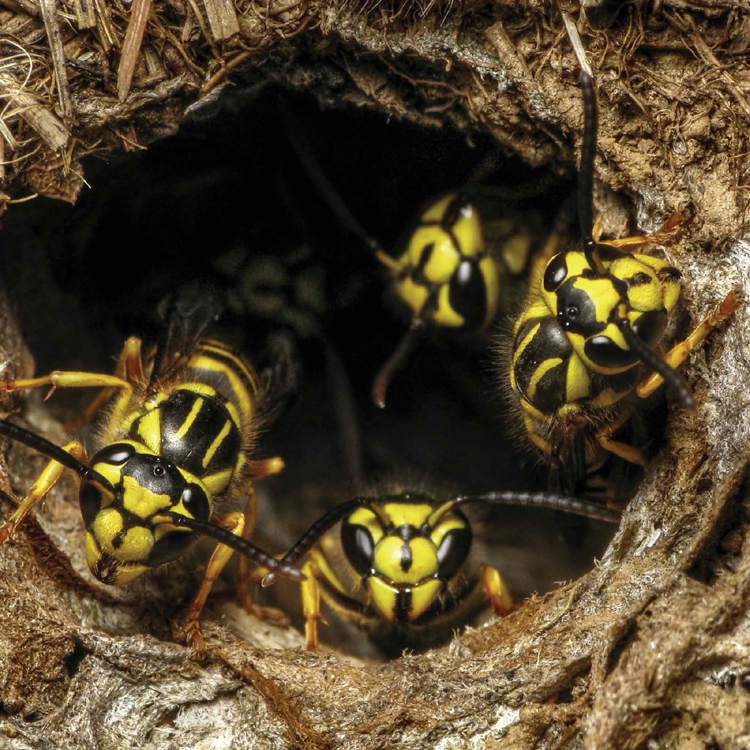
[(654, 644)]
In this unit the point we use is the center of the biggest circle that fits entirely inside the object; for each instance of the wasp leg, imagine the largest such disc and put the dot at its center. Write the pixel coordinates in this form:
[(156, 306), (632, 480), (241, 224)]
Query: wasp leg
[(663, 235), (44, 483), (679, 353), (624, 450), (310, 590), (234, 522), (496, 590), (245, 577), (129, 367)]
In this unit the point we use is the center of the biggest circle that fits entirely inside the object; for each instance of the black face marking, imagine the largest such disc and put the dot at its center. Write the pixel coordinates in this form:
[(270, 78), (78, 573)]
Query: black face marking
[(650, 326), (118, 539), (407, 532), (467, 295), (166, 481), (417, 273), (453, 551), (555, 273), (117, 453), (195, 501), (604, 352), (170, 547), (576, 311), (358, 546), (402, 608), (406, 557), (638, 279), (91, 502)]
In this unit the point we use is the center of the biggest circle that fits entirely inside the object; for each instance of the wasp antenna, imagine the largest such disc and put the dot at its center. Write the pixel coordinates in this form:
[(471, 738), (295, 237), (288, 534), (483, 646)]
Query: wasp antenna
[(237, 543), (400, 353), (55, 452), (539, 500), (310, 537), (588, 150), (305, 153), (657, 364)]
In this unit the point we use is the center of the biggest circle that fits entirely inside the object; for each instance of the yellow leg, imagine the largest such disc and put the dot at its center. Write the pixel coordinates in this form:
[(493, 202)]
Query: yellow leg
[(311, 605), (44, 483), (245, 576), (496, 590), (679, 353), (235, 522), (129, 368), (623, 450), (661, 236)]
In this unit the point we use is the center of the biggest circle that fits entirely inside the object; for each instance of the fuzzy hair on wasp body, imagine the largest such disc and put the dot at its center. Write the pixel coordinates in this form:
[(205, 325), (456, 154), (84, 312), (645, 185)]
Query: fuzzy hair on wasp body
[(179, 423), (590, 331)]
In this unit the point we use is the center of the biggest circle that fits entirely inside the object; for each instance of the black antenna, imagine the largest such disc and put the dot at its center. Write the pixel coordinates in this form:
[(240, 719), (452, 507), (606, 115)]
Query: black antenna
[(550, 501), (588, 151), (305, 153), (311, 536), (237, 543), (394, 362), (55, 452), (671, 377)]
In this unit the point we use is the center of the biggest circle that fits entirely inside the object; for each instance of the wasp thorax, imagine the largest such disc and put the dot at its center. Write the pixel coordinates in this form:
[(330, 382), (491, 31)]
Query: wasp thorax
[(126, 534)]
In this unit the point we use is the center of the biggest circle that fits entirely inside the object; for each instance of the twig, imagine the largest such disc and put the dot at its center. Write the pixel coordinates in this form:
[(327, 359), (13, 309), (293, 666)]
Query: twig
[(221, 18), (131, 47), (107, 34), (49, 18), (707, 54), (223, 71), (39, 117), (85, 16)]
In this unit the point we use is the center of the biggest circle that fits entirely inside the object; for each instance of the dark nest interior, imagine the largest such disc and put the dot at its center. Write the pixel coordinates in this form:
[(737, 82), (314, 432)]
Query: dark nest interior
[(178, 153)]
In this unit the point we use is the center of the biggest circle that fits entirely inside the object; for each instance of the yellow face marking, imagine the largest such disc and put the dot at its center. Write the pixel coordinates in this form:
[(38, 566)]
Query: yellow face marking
[(603, 293), (218, 440), (423, 596), (515, 252), (383, 597), (188, 421), (365, 517), (445, 315), (107, 523), (539, 373), (469, 232), (448, 522), (489, 271), (136, 545), (577, 380), (140, 501), (412, 294), (387, 559)]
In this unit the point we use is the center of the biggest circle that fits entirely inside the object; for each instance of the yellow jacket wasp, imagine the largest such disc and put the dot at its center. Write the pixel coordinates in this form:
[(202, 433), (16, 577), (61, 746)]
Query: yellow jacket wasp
[(402, 559), (592, 320), (447, 275), (177, 438)]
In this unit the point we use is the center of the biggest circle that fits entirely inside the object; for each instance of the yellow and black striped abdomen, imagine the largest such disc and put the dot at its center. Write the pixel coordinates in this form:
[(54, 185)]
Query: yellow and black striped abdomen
[(230, 375)]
